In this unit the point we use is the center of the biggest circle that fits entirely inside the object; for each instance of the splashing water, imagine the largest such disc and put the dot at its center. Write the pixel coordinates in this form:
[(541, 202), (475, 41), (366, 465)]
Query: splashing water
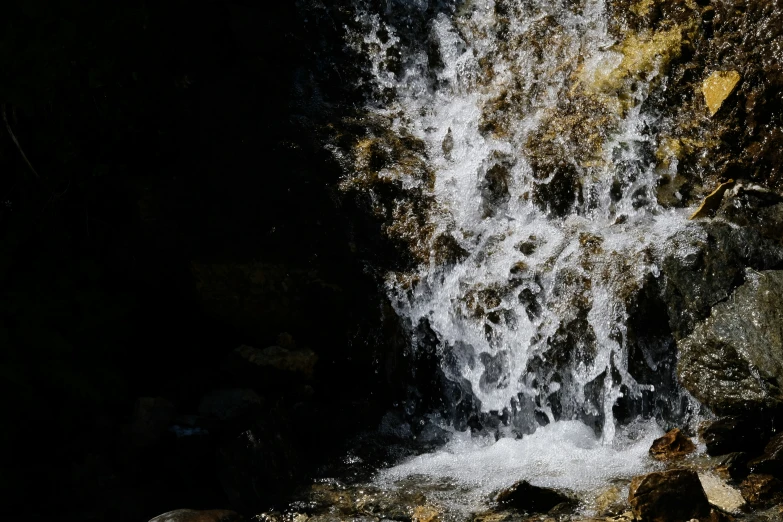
[(520, 136)]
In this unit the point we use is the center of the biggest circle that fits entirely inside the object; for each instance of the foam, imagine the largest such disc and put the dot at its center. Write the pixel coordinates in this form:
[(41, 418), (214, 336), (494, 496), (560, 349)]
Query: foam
[(564, 455)]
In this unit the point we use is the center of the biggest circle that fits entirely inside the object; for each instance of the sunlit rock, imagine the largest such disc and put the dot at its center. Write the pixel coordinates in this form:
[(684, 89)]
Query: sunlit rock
[(717, 87), (721, 495)]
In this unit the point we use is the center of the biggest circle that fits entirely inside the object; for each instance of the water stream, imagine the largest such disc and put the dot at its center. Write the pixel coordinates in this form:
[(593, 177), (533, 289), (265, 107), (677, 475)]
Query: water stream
[(523, 153)]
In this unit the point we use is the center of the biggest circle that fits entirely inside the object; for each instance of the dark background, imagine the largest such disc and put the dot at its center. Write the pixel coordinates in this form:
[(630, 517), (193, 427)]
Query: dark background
[(164, 136)]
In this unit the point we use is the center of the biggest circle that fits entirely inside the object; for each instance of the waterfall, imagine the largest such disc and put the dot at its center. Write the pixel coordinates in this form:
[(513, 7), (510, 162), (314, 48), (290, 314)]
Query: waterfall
[(510, 149)]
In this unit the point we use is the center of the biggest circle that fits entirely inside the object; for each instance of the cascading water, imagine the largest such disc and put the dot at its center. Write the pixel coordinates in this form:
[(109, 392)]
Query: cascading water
[(521, 160)]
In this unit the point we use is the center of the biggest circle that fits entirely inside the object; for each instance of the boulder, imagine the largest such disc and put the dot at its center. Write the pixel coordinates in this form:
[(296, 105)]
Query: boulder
[(525, 497), (761, 490), (733, 361), (771, 461), (705, 264), (735, 434), (674, 445), (668, 496), (193, 515)]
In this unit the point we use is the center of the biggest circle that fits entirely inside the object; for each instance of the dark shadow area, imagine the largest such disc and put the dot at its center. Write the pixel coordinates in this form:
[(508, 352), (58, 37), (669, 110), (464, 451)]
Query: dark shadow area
[(172, 207)]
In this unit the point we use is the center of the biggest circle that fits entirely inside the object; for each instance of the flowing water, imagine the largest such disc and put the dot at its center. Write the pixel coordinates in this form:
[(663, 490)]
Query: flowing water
[(520, 138)]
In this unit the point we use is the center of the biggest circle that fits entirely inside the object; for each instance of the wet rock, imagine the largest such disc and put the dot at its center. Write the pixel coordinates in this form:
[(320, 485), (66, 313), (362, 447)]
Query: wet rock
[(674, 445), (527, 498), (735, 465), (192, 515), (229, 404), (771, 461), (712, 201), (733, 361), (750, 205), (610, 502), (152, 416), (717, 87), (425, 514), (706, 263), (735, 434), (761, 490), (279, 358), (721, 495), (673, 495)]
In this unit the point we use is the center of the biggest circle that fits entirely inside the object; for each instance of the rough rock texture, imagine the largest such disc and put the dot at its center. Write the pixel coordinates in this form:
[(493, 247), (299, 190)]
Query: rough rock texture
[(762, 490), (771, 461), (527, 498), (741, 37), (192, 515), (668, 496), (751, 205), (674, 445), (736, 434), (720, 494), (733, 362), (734, 465), (705, 268)]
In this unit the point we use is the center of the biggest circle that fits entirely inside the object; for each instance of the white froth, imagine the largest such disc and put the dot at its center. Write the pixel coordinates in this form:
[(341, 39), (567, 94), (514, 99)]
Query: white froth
[(564, 455)]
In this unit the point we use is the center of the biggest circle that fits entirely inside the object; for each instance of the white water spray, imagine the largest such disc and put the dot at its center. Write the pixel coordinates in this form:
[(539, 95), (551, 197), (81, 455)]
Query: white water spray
[(533, 316)]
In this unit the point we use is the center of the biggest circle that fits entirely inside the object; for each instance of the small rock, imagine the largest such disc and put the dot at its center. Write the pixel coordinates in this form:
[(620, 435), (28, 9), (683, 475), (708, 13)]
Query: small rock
[(668, 496), (717, 87), (762, 490), (720, 494), (193, 515), (673, 445), (525, 497), (771, 462)]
